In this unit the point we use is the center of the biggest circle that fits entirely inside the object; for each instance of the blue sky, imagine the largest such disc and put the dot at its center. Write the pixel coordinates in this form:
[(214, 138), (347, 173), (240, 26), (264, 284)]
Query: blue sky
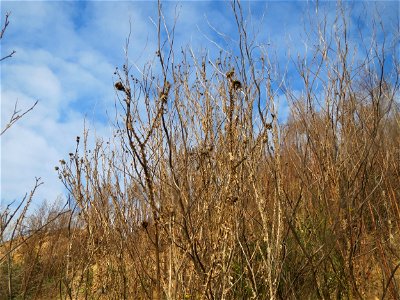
[(67, 51)]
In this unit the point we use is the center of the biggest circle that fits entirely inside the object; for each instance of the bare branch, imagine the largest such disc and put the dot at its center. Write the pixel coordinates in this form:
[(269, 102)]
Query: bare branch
[(3, 30), (17, 116)]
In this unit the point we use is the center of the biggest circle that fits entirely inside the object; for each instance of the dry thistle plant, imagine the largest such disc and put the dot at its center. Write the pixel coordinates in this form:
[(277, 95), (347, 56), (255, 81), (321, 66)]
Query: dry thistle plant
[(206, 195), (203, 194)]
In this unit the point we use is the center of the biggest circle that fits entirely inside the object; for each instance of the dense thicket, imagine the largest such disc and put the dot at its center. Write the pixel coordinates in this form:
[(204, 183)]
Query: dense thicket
[(203, 193)]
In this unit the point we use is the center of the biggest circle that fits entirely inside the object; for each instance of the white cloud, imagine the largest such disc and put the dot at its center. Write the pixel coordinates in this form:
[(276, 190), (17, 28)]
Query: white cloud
[(38, 81), (56, 66), (26, 155), (66, 55)]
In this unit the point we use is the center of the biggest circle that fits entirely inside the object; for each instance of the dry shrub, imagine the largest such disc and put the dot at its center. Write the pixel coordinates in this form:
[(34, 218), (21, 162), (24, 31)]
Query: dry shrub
[(205, 195)]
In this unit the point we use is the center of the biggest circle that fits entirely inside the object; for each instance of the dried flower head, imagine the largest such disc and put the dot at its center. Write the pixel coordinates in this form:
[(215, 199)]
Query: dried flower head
[(230, 73), (236, 85), (119, 86)]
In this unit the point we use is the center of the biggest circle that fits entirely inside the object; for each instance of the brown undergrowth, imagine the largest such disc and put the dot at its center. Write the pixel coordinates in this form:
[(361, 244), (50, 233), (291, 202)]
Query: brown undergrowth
[(203, 194)]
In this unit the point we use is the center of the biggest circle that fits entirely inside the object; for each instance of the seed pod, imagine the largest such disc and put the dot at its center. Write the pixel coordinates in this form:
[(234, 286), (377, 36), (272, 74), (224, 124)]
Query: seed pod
[(119, 86), (230, 74), (236, 85)]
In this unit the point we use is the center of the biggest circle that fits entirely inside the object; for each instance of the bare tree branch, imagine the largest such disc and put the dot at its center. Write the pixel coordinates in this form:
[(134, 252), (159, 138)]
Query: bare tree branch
[(3, 30), (16, 116)]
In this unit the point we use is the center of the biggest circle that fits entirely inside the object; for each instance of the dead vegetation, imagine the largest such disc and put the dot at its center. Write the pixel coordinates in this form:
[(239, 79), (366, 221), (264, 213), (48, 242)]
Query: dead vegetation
[(203, 194)]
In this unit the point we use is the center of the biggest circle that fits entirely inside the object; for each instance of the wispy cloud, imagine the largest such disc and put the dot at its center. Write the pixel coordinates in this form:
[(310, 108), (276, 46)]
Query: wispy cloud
[(66, 55)]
